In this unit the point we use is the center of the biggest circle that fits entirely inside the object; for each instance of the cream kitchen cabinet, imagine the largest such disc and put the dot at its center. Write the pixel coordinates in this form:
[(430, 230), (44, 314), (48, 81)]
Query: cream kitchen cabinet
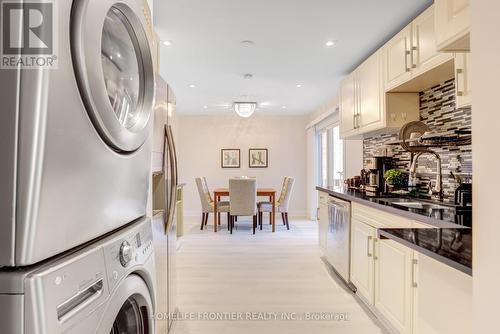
[(413, 52), (452, 25), (362, 264), (393, 291), (462, 80), (424, 52), (323, 220), (398, 59), (348, 107), (364, 105), (442, 298)]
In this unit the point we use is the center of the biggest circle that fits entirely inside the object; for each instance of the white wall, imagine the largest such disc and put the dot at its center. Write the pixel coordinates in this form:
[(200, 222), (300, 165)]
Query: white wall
[(486, 183), (200, 139)]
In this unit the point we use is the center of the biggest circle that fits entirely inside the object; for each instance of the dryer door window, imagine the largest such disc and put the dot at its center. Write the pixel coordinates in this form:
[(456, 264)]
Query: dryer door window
[(114, 69), (120, 63)]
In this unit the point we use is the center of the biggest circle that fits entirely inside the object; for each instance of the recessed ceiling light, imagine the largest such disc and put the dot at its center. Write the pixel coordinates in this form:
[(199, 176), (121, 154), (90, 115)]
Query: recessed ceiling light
[(167, 43), (247, 43), (283, 107), (192, 86), (247, 76), (298, 85), (205, 107), (330, 44)]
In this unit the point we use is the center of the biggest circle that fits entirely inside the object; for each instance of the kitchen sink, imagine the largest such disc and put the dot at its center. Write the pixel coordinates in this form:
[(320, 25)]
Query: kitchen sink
[(413, 204), (421, 205)]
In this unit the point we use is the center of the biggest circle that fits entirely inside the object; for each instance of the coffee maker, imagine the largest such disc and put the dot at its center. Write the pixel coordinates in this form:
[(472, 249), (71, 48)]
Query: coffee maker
[(377, 166)]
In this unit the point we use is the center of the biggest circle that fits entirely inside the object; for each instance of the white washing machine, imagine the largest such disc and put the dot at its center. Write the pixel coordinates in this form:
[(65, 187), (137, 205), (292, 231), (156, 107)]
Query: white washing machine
[(75, 148), (107, 287)]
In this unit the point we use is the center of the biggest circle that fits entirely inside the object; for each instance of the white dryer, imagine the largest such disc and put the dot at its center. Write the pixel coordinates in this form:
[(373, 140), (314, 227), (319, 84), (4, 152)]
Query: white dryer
[(75, 148), (107, 287)]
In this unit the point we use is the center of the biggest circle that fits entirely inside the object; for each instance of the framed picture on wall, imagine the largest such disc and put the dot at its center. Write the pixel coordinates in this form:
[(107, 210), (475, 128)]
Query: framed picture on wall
[(230, 158), (258, 158)]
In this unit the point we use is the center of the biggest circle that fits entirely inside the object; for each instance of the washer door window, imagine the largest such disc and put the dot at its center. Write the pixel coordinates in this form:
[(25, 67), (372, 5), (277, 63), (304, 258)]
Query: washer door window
[(131, 319), (129, 310), (114, 69)]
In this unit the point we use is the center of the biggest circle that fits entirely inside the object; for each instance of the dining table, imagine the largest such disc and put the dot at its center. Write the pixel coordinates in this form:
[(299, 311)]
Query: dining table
[(261, 192)]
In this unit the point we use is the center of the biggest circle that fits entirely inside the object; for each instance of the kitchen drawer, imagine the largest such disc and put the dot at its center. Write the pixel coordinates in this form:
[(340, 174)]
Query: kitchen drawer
[(378, 218), (323, 197)]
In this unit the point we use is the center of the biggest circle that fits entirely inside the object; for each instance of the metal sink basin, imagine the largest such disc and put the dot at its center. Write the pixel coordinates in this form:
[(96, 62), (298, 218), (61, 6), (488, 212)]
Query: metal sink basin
[(421, 205), (412, 203)]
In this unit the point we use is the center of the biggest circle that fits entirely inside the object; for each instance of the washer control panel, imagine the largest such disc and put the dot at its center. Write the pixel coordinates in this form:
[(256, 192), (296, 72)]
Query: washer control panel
[(132, 249)]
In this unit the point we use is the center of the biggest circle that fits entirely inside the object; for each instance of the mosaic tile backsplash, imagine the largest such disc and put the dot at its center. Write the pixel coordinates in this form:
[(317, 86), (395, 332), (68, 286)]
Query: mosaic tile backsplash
[(438, 111)]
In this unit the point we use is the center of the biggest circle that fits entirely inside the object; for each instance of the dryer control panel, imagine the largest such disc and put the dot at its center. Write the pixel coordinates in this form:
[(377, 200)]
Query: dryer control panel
[(128, 252)]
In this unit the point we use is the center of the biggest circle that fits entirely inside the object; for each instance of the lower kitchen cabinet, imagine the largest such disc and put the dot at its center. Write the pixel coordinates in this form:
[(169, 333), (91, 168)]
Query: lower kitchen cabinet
[(362, 264), (323, 221), (393, 278), (442, 298)]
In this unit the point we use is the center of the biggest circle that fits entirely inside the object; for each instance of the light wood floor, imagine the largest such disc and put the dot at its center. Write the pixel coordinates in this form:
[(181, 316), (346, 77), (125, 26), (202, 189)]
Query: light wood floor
[(266, 272)]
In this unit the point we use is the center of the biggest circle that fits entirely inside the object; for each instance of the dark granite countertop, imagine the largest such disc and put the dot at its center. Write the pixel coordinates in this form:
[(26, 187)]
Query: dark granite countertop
[(448, 217), (450, 246), (448, 239)]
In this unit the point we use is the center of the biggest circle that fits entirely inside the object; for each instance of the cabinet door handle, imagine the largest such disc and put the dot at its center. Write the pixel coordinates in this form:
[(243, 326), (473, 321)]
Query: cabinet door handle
[(407, 53), (375, 249), (460, 92), (413, 63), (413, 281), (354, 121), (368, 246)]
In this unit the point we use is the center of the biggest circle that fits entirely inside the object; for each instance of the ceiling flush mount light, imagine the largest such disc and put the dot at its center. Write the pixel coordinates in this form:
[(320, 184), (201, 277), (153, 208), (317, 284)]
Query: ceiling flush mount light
[(330, 44), (244, 109), (247, 43), (167, 43)]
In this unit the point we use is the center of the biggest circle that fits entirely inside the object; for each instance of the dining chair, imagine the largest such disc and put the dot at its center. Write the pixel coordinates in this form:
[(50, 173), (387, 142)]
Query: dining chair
[(242, 200), (207, 203), (281, 205)]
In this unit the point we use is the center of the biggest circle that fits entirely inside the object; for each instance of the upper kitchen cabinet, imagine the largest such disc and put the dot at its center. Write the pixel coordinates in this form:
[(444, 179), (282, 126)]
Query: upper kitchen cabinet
[(412, 54), (347, 106), (452, 25), (364, 105), (398, 62), (424, 52), (462, 80), (370, 93)]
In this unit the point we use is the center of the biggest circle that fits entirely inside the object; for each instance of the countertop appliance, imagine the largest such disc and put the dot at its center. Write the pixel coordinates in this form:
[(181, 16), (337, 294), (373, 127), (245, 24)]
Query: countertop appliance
[(377, 167), (75, 145), (165, 225), (105, 287), (338, 244)]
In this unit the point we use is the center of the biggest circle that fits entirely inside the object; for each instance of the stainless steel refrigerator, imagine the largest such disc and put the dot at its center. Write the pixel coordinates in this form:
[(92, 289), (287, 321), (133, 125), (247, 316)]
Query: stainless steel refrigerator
[(165, 186)]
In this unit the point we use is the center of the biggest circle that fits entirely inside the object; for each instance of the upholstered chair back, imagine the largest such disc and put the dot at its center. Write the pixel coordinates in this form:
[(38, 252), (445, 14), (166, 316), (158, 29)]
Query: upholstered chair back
[(243, 197), (204, 193), (286, 194)]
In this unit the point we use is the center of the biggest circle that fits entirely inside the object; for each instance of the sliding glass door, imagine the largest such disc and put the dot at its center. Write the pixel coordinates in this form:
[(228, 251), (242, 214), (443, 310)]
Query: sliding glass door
[(331, 156)]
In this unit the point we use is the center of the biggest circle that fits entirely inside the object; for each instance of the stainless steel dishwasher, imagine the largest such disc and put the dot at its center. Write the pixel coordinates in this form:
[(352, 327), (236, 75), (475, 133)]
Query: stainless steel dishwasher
[(338, 244)]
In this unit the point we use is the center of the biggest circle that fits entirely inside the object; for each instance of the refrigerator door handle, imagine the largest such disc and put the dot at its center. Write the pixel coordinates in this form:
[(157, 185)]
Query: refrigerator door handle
[(170, 206)]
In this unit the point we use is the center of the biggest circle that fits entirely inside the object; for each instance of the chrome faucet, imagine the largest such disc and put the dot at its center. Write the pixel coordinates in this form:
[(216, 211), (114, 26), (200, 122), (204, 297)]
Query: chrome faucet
[(412, 179)]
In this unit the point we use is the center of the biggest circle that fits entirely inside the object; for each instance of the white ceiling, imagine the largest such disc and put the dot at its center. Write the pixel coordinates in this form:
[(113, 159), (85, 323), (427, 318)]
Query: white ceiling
[(289, 36)]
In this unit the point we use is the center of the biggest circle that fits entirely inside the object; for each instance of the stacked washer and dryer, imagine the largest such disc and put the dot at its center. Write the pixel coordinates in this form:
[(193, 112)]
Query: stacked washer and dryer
[(76, 248)]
